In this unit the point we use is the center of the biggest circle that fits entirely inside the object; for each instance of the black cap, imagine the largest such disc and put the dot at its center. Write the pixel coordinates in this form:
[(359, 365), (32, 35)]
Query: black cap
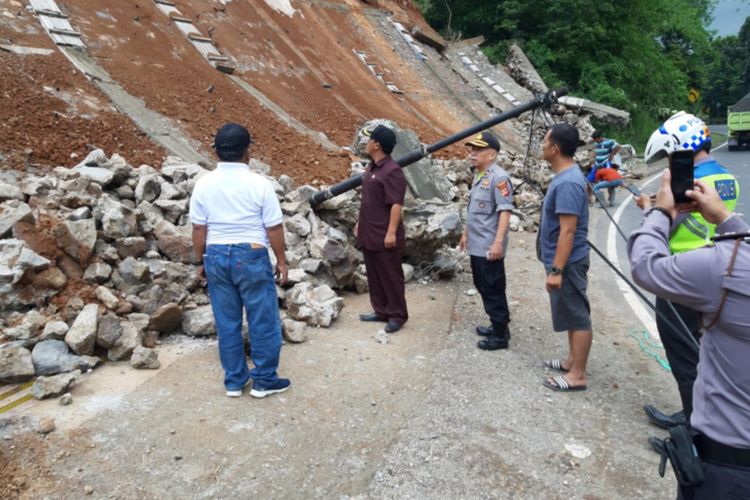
[(232, 138), (484, 140), (383, 136), (596, 134)]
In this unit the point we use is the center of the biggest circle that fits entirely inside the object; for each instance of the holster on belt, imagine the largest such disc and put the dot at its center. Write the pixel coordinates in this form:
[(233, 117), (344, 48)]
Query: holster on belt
[(683, 456)]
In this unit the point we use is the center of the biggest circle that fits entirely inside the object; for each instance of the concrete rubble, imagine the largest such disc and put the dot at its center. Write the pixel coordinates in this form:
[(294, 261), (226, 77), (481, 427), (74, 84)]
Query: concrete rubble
[(98, 259)]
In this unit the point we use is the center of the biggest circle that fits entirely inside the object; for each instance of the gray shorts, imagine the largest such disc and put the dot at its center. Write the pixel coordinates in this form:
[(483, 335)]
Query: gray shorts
[(570, 304)]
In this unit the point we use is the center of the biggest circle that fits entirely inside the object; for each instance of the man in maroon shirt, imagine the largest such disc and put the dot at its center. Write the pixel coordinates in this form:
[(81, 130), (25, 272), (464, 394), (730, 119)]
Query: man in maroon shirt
[(380, 231)]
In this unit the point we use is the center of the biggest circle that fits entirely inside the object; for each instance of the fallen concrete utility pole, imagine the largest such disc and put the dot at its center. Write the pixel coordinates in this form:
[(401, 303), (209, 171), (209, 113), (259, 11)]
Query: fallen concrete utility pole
[(541, 100)]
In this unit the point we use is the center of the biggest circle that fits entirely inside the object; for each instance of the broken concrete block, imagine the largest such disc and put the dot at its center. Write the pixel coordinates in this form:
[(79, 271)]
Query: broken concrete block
[(15, 364), (144, 358), (51, 387), (199, 322), (108, 331), (14, 211), (82, 334), (53, 356), (126, 343), (167, 318)]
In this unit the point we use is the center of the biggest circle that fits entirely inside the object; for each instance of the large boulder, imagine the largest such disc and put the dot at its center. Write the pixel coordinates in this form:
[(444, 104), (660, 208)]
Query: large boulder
[(82, 334), (429, 227), (15, 364), (51, 357)]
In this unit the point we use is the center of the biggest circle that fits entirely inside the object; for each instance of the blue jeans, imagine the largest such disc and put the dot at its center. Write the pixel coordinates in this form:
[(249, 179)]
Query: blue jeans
[(610, 186), (241, 276)]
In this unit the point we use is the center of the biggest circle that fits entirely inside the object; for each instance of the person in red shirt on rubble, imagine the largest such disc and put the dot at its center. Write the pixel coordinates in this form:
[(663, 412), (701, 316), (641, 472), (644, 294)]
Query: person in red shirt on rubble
[(609, 178)]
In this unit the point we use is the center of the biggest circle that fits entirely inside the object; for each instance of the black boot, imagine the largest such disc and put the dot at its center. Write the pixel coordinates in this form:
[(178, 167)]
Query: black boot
[(663, 420), (487, 331), (498, 339)]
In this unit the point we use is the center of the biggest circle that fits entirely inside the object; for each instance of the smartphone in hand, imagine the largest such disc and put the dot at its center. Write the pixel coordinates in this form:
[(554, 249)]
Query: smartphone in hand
[(681, 165), (633, 189)]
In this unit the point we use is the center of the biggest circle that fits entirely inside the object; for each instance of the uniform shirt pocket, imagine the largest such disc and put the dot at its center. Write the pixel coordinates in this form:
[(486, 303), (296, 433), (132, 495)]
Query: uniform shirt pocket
[(481, 203)]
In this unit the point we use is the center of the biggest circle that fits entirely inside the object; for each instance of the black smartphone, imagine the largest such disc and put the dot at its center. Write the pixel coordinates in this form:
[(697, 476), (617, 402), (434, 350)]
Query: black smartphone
[(681, 165), (633, 189)]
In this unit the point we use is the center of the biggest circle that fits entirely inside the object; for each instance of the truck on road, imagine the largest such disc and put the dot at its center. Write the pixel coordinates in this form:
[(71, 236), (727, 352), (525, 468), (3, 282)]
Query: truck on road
[(738, 124)]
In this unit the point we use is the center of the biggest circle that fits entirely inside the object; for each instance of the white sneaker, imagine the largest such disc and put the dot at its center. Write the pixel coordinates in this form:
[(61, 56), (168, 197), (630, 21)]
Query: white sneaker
[(237, 393)]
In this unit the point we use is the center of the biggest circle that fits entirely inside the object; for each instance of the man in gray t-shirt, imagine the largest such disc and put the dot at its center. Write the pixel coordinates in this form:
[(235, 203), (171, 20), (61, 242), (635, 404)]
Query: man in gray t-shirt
[(565, 255)]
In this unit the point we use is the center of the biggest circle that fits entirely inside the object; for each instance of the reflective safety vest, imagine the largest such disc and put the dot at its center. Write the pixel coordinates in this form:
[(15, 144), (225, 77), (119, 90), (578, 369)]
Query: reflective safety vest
[(694, 231)]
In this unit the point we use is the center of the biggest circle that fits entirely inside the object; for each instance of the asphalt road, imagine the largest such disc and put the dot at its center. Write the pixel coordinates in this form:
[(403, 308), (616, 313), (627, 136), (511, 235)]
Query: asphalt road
[(627, 215)]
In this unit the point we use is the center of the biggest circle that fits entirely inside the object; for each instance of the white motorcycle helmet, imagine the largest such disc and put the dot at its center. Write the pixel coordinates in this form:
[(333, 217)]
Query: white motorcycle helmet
[(682, 131)]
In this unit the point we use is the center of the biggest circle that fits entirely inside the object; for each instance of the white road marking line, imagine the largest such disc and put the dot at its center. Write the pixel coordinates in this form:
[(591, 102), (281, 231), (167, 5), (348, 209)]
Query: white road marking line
[(636, 304)]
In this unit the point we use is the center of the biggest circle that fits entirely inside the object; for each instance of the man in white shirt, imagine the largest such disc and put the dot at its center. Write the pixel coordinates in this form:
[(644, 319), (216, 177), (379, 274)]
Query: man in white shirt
[(236, 216)]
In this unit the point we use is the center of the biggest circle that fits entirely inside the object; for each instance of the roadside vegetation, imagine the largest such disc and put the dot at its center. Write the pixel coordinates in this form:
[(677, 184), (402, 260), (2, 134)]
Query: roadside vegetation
[(649, 57)]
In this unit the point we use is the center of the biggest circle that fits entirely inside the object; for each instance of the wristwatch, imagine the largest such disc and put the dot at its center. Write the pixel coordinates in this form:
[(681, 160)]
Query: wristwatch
[(555, 271)]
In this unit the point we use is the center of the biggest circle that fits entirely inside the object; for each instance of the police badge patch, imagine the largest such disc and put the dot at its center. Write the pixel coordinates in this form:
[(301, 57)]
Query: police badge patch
[(503, 187), (727, 189)]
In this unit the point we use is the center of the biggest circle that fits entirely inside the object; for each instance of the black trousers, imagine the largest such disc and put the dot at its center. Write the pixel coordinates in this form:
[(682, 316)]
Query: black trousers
[(385, 282), (489, 280), (719, 481), (682, 356)]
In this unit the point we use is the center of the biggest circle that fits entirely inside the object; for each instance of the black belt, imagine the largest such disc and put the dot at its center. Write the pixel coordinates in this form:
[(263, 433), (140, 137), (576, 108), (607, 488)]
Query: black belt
[(721, 454)]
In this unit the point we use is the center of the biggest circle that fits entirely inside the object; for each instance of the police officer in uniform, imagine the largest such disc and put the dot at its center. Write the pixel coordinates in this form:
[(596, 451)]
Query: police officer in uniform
[(486, 236), (713, 281), (684, 131)]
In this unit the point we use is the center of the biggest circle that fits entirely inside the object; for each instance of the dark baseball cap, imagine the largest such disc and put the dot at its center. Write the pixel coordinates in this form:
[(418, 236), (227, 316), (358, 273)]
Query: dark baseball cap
[(232, 138), (383, 136), (484, 140)]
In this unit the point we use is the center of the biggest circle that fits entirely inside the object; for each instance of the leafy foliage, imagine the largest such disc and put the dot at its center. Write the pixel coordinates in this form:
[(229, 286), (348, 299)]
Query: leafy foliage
[(730, 72), (642, 55)]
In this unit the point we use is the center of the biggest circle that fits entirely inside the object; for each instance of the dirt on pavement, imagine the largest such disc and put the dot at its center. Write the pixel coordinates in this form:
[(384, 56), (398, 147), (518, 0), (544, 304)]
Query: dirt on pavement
[(426, 415)]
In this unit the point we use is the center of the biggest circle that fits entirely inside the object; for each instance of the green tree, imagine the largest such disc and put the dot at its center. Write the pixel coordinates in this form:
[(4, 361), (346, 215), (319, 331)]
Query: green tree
[(642, 55)]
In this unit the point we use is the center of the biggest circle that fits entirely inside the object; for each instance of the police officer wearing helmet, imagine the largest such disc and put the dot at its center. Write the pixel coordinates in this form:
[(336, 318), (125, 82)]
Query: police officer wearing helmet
[(485, 236), (684, 131), (713, 281)]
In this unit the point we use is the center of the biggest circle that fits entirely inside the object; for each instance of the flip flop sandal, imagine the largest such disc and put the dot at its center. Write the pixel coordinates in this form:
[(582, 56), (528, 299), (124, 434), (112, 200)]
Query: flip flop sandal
[(555, 364), (561, 385)]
